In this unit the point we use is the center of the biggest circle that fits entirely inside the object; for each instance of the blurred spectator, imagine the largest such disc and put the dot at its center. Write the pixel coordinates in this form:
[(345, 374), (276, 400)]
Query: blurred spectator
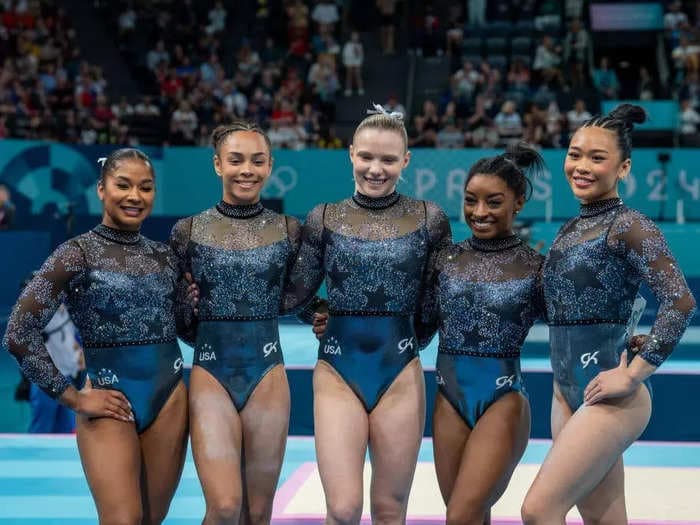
[(453, 41), (309, 120), (577, 116), (285, 133), (157, 55), (235, 101), (535, 125), (686, 58), (605, 80), (577, 49), (298, 20), (518, 81), (7, 208), (481, 131), (217, 19), (387, 25), (127, 21), (183, 124), (328, 139), (477, 12), (146, 107), (326, 16), (691, 89), (547, 61), (426, 126), (48, 415), (353, 57), (450, 137), (465, 83), (688, 120), (573, 8), (548, 16), (248, 67), (323, 80), (555, 124), (508, 124), (122, 109), (429, 28), (674, 22), (647, 87), (393, 104)]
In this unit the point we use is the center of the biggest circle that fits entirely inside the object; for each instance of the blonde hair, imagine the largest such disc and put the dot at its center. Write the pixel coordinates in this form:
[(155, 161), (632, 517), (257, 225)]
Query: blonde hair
[(380, 118)]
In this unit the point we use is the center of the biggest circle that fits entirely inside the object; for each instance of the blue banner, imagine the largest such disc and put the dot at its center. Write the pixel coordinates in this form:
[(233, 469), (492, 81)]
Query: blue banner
[(54, 176)]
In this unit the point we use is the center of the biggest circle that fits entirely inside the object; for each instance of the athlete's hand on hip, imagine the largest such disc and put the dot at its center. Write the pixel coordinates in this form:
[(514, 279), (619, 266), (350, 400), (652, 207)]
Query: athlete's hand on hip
[(616, 382), (94, 402), (319, 324), (192, 293)]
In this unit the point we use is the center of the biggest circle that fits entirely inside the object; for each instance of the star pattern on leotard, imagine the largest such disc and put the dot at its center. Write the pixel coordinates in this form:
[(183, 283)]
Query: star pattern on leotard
[(378, 297), (339, 277), (271, 273), (581, 278)]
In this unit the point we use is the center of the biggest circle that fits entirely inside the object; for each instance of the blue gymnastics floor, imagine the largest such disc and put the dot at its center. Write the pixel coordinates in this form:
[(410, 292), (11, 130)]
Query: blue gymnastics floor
[(41, 479), (41, 482)]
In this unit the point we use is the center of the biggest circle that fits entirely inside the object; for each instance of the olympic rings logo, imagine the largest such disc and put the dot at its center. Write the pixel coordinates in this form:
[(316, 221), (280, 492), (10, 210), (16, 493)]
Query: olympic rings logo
[(282, 180)]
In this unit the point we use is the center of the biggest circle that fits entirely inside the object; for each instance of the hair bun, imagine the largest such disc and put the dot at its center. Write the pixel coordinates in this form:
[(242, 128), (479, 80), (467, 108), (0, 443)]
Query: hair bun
[(524, 156), (630, 114)]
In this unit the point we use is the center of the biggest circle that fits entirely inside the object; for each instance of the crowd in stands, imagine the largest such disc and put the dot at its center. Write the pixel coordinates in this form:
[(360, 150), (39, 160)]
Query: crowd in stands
[(46, 90), (523, 69), (519, 69)]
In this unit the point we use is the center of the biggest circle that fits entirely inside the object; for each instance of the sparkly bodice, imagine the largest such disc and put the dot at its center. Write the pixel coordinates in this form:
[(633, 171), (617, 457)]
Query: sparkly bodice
[(373, 253), (119, 287), (238, 258), (595, 267), (488, 296)]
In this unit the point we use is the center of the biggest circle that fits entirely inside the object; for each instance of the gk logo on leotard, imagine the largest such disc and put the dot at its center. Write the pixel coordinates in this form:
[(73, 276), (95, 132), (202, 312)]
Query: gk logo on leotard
[(332, 347), (269, 348), (106, 377), (177, 365), (438, 378), (405, 344), (505, 381), (588, 357)]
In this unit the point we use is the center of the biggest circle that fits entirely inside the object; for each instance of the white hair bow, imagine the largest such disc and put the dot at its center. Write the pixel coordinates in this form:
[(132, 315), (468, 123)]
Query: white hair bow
[(101, 161), (379, 110)]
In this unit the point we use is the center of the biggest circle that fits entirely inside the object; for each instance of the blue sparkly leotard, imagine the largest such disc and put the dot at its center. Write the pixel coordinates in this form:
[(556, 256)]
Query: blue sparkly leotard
[(120, 290), (373, 253), (591, 277), (488, 296), (239, 256)]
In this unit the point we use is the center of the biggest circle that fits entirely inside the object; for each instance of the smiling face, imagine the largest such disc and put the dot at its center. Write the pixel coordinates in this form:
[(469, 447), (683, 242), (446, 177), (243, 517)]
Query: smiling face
[(127, 194), (378, 156), (244, 163), (593, 166), (490, 206)]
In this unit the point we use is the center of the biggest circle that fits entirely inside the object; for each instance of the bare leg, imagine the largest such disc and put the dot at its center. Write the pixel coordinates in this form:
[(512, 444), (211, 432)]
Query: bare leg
[(341, 434), (395, 432), (111, 458), (585, 459), (163, 447), (450, 436), (265, 420), (215, 427), (488, 459)]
